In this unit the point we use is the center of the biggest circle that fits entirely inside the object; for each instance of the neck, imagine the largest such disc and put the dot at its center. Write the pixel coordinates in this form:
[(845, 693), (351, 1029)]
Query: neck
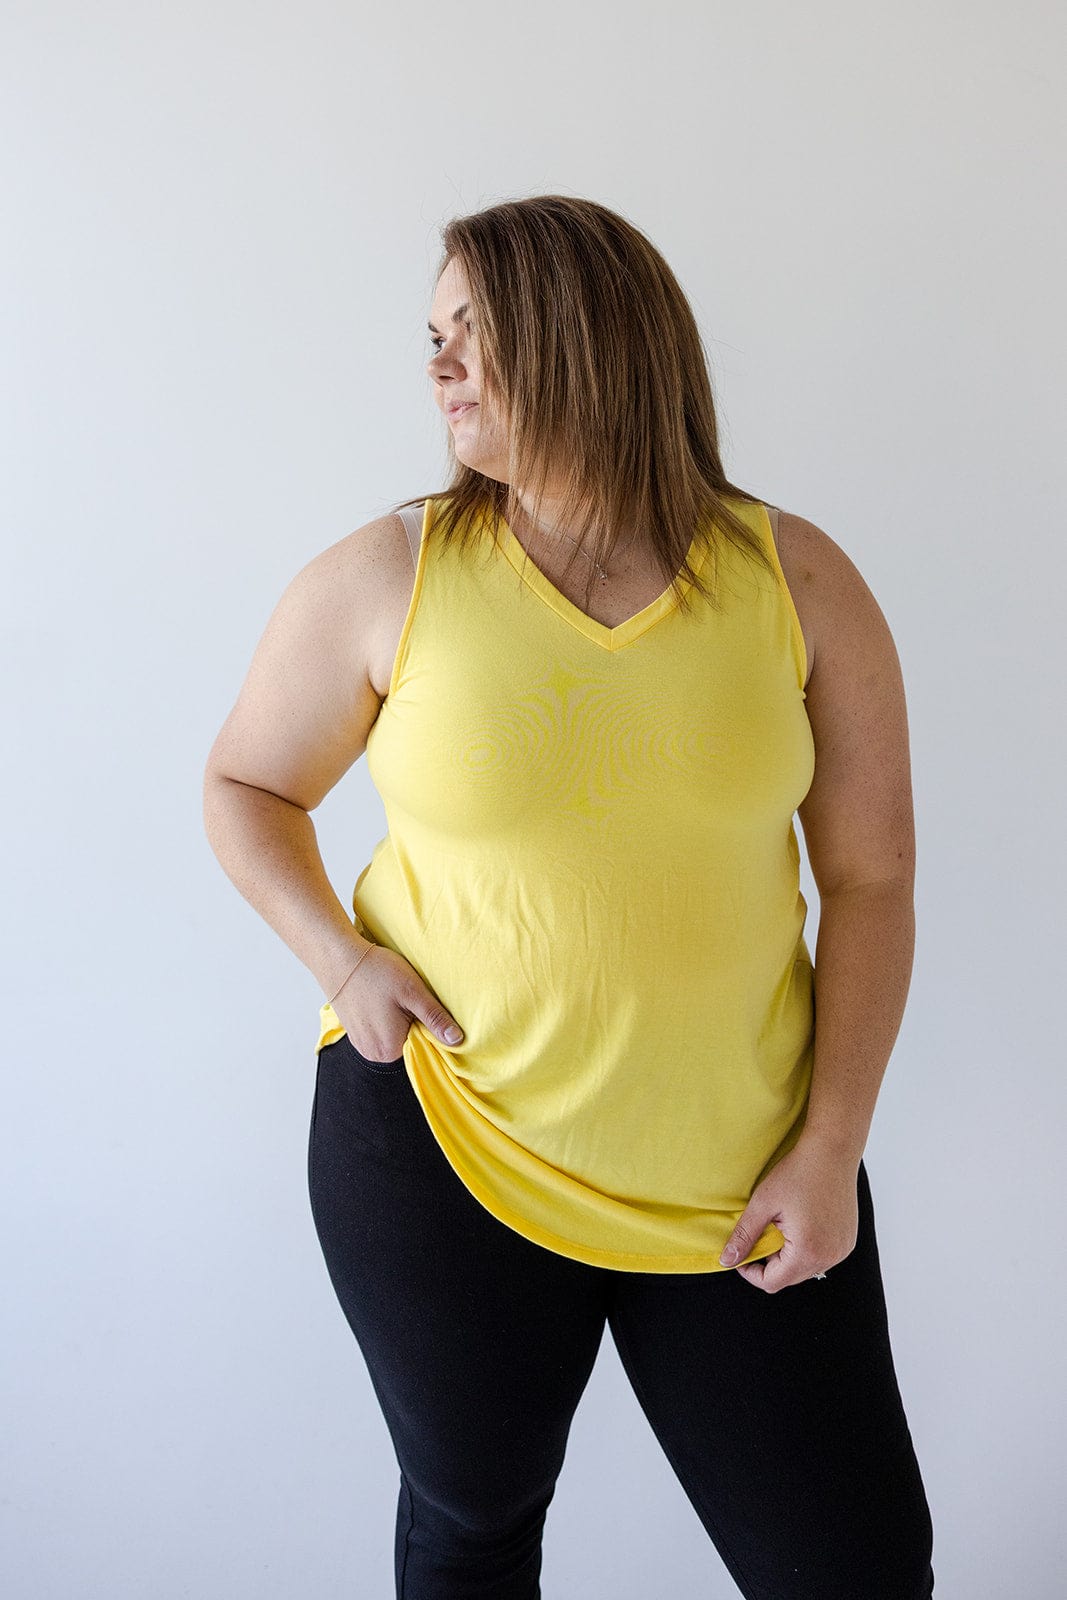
[(548, 525), (551, 532)]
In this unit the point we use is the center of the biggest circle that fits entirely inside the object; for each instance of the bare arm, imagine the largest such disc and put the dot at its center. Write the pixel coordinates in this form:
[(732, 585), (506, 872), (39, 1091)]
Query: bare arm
[(300, 721), (269, 850), (859, 830), (860, 834)]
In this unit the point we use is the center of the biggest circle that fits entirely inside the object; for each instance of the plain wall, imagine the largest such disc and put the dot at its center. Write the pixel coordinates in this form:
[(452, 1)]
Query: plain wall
[(221, 226)]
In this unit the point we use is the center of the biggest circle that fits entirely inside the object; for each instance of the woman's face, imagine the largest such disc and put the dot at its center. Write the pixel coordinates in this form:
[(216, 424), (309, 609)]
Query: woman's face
[(479, 433)]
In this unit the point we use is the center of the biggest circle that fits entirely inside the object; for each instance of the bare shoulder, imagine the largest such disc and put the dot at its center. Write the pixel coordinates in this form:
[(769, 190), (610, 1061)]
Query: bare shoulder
[(364, 562), (832, 598), (311, 693), (371, 572)]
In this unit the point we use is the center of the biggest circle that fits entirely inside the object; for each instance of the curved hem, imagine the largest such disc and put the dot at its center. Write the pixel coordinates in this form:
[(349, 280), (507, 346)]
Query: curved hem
[(590, 1255)]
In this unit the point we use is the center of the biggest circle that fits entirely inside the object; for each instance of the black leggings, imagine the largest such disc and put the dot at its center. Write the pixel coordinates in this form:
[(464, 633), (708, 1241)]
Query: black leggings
[(779, 1413)]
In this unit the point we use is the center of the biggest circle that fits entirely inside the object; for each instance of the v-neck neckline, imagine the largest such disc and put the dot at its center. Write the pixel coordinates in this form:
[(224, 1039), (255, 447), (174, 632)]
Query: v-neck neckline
[(623, 633)]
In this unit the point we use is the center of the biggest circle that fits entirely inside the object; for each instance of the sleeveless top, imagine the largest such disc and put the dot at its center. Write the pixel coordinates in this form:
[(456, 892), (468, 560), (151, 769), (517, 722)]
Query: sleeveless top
[(591, 861)]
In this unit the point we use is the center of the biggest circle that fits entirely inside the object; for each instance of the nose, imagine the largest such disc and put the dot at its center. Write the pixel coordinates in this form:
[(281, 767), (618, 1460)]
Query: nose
[(440, 365)]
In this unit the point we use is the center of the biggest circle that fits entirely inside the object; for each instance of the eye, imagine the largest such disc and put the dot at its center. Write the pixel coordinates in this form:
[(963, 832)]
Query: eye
[(437, 341)]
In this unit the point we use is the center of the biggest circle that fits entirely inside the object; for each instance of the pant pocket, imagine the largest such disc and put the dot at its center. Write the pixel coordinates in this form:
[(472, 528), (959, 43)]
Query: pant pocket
[(386, 1068)]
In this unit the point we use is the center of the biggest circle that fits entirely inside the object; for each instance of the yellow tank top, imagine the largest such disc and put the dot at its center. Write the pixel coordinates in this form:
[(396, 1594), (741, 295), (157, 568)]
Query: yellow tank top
[(591, 860)]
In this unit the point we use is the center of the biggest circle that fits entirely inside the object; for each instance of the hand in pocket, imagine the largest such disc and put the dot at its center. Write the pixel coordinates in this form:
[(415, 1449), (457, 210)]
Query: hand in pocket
[(379, 1001)]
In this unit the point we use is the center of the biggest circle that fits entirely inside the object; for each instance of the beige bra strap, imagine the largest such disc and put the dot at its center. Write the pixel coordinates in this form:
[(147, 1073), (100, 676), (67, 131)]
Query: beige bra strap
[(411, 516), (772, 512)]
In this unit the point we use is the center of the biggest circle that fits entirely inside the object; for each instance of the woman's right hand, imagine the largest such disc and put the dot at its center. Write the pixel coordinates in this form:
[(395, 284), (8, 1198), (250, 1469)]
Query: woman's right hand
[(379, 1000)]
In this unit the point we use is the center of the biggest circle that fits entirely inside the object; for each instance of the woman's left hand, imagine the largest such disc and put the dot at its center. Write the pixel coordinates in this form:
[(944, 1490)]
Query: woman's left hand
[(810, 1196)]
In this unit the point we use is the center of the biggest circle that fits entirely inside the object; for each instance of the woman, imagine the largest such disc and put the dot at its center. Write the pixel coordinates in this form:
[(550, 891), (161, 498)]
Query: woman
[(568, 1073)]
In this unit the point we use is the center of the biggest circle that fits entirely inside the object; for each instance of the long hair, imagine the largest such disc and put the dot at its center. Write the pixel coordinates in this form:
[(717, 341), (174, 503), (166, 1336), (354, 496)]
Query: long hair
[(591, 348)]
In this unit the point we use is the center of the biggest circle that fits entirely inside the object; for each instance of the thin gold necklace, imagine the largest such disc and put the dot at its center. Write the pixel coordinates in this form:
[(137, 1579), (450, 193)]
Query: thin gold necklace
[(585, 553)]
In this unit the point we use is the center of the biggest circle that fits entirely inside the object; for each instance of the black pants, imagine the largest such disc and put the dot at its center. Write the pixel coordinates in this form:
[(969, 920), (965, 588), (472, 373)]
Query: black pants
[(779, 1413)]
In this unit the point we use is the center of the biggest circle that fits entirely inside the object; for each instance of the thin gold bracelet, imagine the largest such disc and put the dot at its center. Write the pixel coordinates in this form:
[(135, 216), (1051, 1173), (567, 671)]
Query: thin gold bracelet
[(363, 953)]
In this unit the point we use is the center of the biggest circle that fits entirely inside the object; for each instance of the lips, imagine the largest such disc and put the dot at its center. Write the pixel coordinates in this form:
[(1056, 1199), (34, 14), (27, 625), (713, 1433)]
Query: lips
[(458, 410)]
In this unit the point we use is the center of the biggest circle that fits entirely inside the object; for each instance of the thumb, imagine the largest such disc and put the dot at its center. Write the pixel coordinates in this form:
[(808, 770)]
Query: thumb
[(442, 1022), (750, 1224)]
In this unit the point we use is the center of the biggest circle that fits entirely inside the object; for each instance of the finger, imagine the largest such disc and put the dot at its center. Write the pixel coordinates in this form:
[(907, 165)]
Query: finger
[(782, 1274), (430, 1010), (747, 1229)]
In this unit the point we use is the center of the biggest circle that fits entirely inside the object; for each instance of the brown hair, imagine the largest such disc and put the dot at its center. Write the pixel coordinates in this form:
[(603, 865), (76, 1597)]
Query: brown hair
[(592, 347)]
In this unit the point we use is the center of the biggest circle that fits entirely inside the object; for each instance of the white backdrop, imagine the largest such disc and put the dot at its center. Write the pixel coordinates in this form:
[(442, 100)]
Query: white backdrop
[(221, 223)]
